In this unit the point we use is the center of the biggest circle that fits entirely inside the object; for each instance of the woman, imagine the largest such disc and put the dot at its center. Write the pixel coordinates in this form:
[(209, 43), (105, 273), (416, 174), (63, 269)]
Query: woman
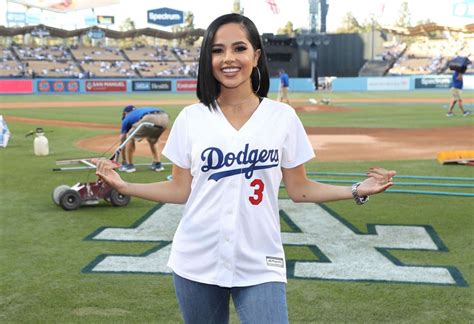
[(229, 154)]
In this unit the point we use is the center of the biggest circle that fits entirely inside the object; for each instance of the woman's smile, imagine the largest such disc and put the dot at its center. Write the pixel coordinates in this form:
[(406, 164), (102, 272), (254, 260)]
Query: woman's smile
[(233, 58)]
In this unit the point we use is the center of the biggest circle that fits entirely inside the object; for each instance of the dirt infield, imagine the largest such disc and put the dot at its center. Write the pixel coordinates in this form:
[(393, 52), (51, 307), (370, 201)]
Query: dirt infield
[(350, 144), (330, 143)]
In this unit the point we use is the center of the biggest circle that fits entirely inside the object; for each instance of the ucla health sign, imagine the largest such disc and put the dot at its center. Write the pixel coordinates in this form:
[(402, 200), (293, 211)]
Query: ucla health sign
[(165, 17)]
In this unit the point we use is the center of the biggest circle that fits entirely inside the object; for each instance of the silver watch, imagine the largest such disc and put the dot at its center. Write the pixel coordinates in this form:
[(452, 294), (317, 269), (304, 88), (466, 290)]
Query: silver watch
[(358, 199)]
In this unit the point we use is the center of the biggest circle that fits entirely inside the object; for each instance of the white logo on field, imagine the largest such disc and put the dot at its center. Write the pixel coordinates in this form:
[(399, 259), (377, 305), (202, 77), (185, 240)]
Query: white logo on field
[(344, 253)]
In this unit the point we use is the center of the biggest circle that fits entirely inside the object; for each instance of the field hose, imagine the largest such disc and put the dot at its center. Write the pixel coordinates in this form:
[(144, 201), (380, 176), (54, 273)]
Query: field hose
[(409, 184)]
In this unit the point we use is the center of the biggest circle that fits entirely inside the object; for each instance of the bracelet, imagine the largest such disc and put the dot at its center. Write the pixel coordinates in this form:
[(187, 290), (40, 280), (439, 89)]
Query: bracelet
[(358, 199)]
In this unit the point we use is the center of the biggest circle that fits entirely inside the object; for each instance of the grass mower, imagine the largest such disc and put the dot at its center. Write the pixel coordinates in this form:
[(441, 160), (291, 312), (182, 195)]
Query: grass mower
[(90, 193)]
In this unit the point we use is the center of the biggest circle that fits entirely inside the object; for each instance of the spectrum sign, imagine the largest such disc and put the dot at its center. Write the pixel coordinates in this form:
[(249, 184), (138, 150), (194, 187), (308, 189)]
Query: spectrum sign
[(165, 17)]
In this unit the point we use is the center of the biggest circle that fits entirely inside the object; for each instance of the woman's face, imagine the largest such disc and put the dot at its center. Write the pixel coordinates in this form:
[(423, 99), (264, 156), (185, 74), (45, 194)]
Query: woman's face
[(233, 57)]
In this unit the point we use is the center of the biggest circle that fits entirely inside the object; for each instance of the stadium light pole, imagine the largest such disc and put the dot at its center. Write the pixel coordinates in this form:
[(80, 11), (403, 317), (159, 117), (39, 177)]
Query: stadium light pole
[(311, 42), (372, 37)]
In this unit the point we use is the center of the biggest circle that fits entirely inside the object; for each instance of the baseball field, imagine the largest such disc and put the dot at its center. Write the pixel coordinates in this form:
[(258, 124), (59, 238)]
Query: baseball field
[(405, 257)]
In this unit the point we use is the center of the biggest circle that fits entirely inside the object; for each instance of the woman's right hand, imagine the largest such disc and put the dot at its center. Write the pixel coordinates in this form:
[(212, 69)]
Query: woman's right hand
[(105, 171)]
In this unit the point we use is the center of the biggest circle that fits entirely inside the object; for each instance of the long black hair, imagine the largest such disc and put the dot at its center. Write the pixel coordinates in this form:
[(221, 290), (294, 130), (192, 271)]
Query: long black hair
[(208, 88)]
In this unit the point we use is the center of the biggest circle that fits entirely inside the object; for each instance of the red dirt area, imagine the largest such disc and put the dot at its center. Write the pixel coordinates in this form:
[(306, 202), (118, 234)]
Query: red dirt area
[(330, 143), (350, 144), (379, 144)]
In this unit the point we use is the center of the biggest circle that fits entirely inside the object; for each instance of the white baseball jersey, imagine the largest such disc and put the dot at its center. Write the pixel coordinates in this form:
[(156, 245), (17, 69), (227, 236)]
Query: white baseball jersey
[(229, 234)]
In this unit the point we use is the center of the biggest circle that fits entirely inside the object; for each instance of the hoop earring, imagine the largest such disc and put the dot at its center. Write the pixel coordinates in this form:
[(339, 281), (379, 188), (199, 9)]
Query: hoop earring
[(259, 79)]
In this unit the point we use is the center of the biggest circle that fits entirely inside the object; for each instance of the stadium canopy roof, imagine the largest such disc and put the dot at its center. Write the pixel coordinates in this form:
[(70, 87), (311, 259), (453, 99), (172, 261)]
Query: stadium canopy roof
[(427, 28), (419, 30), (63, 33)]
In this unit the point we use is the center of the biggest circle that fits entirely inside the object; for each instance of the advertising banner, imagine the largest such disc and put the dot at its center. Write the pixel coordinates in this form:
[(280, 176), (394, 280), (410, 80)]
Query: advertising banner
[(66, 5), (105, 20), (16, 86), (33, 18), (433, 83), (464, 9), (40, 31), (58, 86), (186, 85), (151, 85), (90, 20), (165, 17), (468, 82), (96, 34), (388, 83), (16, 17), (106, 86)]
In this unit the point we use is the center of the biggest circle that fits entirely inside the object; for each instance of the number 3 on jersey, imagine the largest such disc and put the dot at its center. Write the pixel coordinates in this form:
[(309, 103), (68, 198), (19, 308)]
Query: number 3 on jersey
[(258, 192)]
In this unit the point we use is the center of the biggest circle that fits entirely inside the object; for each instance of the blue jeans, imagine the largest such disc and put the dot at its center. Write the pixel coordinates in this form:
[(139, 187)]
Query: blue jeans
[(202, 303)]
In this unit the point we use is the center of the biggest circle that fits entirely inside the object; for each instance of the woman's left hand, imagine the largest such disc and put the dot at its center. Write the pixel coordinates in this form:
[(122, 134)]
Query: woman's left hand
[(378, 181)]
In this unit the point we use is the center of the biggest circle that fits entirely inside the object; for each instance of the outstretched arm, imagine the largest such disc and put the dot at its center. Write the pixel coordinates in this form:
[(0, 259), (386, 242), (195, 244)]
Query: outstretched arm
[(175, 191), (302, 189)]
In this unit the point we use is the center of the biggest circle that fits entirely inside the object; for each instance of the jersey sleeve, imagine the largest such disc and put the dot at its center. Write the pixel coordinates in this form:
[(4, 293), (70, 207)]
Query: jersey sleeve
[(177, 148), (297, 148), (125, 126)]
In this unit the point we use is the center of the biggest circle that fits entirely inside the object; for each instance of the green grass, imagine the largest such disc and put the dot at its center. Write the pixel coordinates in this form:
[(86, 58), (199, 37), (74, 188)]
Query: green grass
[(408, 115), (101, 115), (44, 251), (387, 116)]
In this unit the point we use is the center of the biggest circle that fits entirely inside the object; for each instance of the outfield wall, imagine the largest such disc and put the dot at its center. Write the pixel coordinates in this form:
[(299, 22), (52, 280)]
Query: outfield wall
[(399, 83), (72, 86)]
